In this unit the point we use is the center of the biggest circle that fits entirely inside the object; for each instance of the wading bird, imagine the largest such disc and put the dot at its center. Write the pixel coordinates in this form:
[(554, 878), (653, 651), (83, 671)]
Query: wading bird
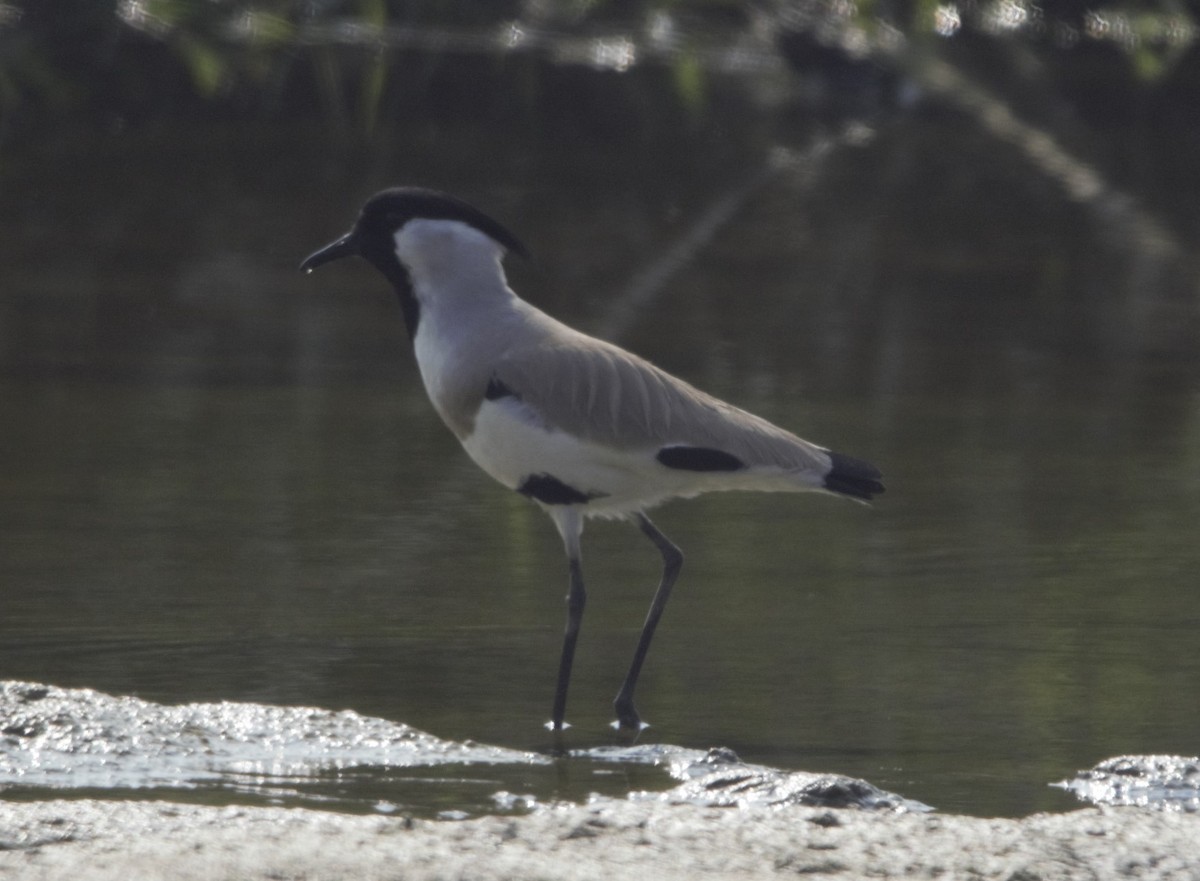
[(580, 426)]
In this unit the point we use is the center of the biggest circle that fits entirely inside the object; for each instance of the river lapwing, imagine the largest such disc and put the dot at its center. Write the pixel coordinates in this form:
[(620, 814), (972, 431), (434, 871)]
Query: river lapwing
[(579, 425)]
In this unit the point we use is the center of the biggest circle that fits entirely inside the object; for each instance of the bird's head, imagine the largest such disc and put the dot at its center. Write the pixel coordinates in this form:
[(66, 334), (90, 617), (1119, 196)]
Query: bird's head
[(410, 234), (394, 228)]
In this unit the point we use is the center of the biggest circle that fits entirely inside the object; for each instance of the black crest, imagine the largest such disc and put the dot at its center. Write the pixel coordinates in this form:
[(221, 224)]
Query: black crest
[(388, 210)]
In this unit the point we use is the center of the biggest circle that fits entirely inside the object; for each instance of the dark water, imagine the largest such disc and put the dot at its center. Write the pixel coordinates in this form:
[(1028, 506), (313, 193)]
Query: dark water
[(221, 479)]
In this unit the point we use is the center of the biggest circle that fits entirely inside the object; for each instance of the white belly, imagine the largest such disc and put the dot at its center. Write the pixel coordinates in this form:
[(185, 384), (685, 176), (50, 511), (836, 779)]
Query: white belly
[(511, 445)]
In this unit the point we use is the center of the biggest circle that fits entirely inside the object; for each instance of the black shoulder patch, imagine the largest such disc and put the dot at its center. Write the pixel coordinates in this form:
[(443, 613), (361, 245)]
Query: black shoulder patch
[(853, 477), (551, 491), (497, 390), (699, 459)]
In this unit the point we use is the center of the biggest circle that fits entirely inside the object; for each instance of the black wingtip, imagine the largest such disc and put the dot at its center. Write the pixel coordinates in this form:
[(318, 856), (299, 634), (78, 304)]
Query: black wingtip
[(853, 477)]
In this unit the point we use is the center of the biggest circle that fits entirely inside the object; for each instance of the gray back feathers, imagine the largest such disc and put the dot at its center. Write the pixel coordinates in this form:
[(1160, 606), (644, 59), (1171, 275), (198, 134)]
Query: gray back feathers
[(601, 393)]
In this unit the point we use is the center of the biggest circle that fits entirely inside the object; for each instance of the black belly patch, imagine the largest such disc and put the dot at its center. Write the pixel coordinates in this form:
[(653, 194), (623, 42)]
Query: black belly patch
[(699, 459), (551, 491)]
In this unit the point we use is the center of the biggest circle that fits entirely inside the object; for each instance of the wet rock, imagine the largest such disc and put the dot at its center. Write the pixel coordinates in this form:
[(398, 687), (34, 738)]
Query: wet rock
[(1169, 783), (718, 778), (80, 738)]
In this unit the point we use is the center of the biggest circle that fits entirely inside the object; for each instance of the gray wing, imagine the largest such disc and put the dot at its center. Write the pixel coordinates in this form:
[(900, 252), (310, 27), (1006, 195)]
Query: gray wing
[(597, 391)]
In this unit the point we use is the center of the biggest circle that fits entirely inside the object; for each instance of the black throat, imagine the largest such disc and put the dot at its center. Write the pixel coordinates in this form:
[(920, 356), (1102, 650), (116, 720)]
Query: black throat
[(402, 285), (377, 250)]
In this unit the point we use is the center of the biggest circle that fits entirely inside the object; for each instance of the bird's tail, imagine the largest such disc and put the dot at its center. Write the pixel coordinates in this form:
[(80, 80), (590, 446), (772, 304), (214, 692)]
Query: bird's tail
[(853, 477)]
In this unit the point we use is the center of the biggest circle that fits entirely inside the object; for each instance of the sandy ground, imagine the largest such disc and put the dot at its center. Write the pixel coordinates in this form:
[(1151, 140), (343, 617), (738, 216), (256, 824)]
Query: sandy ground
[(127, 841)]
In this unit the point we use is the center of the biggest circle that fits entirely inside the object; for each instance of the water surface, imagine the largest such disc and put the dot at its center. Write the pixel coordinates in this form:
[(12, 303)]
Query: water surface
[(222, 480)]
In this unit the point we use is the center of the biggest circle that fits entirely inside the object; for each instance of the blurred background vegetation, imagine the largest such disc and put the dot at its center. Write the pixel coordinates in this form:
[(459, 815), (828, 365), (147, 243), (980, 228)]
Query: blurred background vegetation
[(1093, 75), (133, 57)]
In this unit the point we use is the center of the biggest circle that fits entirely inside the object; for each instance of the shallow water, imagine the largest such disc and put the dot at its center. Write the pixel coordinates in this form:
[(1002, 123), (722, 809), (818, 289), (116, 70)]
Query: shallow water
[(222, 480)]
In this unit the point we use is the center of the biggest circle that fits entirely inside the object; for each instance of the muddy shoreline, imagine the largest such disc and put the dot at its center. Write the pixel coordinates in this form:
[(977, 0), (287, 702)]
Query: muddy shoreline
[(127, 840), (722, 819)]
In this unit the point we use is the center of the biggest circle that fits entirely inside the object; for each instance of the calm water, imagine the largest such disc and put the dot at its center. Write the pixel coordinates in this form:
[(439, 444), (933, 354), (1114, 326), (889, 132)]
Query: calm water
[(222, 480)]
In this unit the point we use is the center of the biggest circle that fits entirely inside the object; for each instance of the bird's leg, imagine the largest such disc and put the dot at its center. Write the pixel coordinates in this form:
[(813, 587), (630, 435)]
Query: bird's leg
[(570, 526), (576, 600), (627, 716)]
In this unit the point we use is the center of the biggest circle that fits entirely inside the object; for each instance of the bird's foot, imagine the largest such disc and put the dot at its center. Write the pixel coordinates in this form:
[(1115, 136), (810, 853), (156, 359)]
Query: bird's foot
[(628, 720), (632, 731), (558, 748)]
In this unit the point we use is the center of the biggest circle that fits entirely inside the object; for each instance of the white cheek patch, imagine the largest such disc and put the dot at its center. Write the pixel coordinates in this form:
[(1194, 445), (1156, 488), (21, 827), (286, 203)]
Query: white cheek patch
[(423, 244)]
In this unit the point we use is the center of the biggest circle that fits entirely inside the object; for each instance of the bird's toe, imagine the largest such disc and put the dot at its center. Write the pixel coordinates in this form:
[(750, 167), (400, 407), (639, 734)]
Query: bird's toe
[(628, 719)]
